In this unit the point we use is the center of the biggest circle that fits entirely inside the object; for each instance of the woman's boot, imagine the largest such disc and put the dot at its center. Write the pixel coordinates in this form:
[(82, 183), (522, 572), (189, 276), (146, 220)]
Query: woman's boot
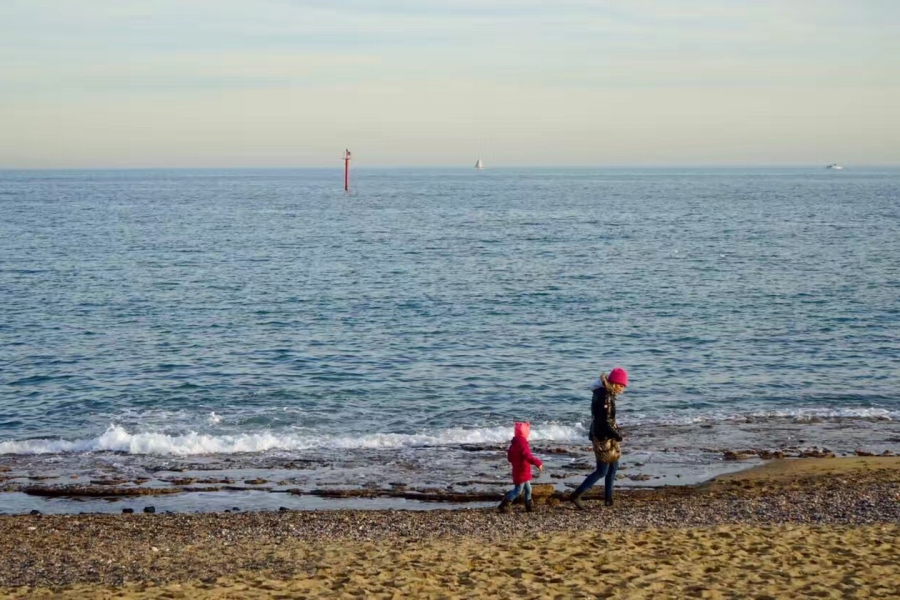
[(504, 506), (576, 500)]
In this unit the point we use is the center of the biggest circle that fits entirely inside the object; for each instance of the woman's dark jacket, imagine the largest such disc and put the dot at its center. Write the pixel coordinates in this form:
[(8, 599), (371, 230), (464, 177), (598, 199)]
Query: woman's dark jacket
[(603, 411)]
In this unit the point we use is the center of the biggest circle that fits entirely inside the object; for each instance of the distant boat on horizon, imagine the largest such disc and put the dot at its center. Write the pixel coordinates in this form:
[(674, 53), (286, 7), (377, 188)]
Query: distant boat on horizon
[(835, 167), (479, 165)]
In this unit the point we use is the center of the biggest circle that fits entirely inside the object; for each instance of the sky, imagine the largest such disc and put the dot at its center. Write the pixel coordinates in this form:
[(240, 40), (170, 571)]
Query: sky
[(291, 83)]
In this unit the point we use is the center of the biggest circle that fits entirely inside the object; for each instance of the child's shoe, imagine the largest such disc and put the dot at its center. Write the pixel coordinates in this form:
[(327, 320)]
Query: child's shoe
[(504, 506), (529, 506)]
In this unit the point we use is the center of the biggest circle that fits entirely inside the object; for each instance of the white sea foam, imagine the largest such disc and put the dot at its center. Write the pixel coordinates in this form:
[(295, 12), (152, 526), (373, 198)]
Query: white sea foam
[(830, 413), (799, 414), (117, 439)]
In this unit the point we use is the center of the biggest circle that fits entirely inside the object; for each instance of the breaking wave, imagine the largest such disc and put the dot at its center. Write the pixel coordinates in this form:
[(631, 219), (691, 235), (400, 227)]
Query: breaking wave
[(117, 439)]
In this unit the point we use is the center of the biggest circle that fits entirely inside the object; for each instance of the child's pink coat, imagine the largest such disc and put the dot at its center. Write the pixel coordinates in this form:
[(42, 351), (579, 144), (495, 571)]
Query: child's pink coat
[(519, 454)]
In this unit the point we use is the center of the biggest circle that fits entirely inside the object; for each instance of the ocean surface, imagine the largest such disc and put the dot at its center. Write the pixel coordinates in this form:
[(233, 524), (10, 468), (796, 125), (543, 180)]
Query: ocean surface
[(264, 323)]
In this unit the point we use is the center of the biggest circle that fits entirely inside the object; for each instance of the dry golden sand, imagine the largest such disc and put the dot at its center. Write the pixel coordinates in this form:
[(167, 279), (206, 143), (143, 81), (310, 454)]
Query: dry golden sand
[(715, 541), (721, 562)]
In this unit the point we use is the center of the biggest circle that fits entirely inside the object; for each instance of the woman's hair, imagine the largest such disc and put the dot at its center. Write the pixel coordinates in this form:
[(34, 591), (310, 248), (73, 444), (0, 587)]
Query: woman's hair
[(607, 385)]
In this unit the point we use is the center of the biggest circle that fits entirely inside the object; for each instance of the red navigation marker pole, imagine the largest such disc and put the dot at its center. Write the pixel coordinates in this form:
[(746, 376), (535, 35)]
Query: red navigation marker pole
[(346, 170)]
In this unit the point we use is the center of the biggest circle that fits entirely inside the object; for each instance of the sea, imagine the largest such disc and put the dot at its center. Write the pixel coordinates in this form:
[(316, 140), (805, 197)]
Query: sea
[(265, 325)]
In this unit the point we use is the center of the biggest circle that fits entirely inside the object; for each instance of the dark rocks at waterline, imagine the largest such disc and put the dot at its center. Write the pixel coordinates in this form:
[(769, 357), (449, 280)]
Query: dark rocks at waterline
[(579, 466), (860, 452), (814, 452), (149, 509), (108, 481), (127, 511), (556, 450), (466, 483), (481, 447), (824, 453), (58, 491), (184, 481), (771, 455), (732, 455)]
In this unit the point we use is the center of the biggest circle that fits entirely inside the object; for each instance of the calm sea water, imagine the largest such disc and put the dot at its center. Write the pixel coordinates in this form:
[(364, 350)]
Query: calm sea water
[(247, 316)]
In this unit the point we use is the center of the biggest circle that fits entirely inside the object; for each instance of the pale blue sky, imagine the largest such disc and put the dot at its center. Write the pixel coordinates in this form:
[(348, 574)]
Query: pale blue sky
[(120, 83)]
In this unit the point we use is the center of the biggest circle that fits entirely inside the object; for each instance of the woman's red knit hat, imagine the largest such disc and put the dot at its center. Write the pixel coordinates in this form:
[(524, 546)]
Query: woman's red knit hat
[(618, 375)]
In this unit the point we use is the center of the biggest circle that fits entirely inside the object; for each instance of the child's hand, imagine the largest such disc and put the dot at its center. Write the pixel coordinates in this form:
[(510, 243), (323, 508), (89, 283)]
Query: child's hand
[(541, 468)]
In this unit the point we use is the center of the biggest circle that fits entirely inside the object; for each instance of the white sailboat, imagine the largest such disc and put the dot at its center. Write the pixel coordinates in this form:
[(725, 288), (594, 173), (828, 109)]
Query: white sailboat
[(479, 165), (835, 167)]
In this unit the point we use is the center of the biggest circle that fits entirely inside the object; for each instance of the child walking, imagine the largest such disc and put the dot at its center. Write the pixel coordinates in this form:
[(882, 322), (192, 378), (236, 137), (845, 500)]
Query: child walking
[(520, 457)]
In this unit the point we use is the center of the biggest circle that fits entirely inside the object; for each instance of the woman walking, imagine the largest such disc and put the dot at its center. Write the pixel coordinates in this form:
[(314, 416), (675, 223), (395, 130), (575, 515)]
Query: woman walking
[(604, 434)]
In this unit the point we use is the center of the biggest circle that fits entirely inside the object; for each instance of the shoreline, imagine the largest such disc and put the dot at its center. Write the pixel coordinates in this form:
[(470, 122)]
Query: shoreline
[(185, 489), (299, 551)]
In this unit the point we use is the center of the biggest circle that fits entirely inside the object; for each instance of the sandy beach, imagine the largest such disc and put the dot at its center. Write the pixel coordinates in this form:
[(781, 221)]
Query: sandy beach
[(824, 528)]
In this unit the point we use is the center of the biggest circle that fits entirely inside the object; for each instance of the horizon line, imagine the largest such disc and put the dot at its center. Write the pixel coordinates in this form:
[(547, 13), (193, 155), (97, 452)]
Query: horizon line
[(454, 167)]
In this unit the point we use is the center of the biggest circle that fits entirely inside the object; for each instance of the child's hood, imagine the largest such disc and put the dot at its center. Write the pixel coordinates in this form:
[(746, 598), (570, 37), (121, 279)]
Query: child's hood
[(598, 383), (523, 430)]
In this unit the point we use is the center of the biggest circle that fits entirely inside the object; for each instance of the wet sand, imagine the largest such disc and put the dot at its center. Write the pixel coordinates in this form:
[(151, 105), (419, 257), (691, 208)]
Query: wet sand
[(782, 470), (803, 528)]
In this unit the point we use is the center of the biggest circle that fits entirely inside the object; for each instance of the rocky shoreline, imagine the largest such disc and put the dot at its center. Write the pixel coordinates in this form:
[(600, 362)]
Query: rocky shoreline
[(113, 550), (480, 490)]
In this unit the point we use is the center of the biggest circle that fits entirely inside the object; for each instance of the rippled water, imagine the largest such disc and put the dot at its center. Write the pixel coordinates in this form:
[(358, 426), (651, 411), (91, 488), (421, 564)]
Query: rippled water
[(170, 313)]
